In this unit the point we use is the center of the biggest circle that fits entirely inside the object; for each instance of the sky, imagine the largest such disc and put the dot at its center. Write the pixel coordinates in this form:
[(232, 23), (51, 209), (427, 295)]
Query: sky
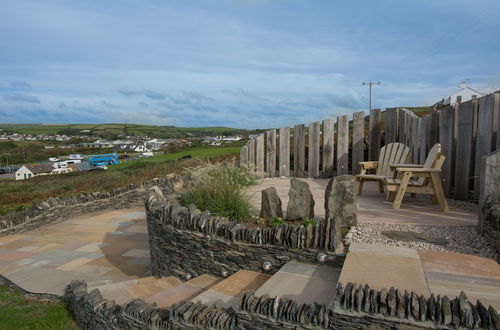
[(238, 63)]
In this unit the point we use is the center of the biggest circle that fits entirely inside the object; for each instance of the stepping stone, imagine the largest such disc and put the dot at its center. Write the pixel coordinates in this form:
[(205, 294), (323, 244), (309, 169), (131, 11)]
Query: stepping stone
[(149, 286), (304, 283), (227, 293)]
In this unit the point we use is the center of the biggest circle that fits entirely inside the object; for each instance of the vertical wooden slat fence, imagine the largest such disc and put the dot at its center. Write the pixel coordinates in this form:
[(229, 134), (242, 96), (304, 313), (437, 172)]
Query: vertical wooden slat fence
[(466, 132)]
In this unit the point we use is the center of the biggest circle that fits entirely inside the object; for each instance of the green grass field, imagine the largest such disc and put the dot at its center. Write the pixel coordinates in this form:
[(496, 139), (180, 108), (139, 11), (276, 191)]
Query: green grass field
[(116, 130), (18, 312)]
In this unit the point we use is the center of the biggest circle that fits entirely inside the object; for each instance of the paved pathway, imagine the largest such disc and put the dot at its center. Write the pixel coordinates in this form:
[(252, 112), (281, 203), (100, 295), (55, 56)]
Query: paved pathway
[(109, 245), (372, 206)]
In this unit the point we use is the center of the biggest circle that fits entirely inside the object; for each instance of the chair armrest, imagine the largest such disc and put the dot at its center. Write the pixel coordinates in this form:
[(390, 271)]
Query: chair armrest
[(369, 165), (418, 170), (405, 165)]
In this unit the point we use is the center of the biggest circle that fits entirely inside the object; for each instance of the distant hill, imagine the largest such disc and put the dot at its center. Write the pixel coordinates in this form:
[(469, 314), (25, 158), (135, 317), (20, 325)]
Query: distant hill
[(117, 130)]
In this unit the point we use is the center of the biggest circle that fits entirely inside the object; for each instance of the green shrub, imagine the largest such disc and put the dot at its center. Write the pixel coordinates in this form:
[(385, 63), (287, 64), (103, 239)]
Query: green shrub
[(218, 188), (275, 221), (308, 222)]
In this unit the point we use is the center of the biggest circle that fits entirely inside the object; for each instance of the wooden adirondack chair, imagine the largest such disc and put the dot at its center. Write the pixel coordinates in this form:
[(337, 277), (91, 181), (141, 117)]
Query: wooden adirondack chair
[(392, 153), (422, 179)]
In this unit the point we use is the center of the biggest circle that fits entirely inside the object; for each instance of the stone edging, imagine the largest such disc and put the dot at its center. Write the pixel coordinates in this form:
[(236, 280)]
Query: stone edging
[(30, 295)]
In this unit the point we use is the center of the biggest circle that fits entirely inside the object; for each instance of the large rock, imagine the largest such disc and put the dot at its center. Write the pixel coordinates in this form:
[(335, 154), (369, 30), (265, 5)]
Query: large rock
[(301, 202), (340, 201), (271, 204)]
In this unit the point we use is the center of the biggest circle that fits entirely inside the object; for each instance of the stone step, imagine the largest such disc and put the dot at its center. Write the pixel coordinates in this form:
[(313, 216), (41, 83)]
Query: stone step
[(117, 291), (227, 293), (304, 283), (148, 286), (183, 291)]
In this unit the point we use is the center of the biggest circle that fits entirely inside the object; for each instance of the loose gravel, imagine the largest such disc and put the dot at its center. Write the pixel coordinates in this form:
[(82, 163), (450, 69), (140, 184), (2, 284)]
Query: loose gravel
[(460, 239)]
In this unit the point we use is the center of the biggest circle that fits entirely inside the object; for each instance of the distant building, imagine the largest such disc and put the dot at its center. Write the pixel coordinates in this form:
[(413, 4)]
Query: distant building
[(31, 170), (130, 148), (464, 94)]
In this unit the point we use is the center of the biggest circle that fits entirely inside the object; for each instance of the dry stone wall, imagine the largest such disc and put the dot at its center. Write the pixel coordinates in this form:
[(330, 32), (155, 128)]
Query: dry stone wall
[(186, 240), (491, 222)]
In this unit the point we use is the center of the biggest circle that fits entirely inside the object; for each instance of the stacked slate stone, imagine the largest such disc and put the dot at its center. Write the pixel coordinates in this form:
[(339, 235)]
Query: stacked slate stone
[(458, 312), (92, 311), (285, 310), (320, 236)]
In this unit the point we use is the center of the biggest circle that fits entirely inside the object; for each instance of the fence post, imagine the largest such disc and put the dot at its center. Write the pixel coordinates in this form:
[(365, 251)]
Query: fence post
[(313, 154), (259, 153), (299, 150), (374, 134), (243, 155), (328, 147), (342, 145), (251, 152), (271, 153), (463, 150), (496, 122), (358, 140), (284, 167), (391, 125), (446, 141)]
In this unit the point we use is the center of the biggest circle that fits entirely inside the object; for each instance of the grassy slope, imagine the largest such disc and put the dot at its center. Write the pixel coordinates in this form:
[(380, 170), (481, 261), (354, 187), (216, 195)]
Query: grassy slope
[(18, 312), (15, 195), (113, 130)]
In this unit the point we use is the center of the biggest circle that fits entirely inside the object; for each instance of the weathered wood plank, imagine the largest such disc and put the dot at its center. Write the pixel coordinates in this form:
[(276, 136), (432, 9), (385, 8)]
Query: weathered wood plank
[(446, 140), (489, 182), (299, 150), (313, 154), (358, 140), (422, 137), (342, 145), (483, 136), (243, 155), (391, 125), (328, 147), (271, 153), (259, 153), (415, 143), (251, 152), (284, 154), (463, 150), (434, 128), (496, 123), (374, 134)]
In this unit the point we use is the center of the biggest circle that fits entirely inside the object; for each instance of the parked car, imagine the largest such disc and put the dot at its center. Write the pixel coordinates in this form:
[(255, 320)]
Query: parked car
[(187, 157), (146, 154), (99, 168), (54, 159)]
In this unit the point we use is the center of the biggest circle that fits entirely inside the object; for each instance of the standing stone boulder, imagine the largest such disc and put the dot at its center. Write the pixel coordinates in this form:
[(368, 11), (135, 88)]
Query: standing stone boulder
[(271, 204), (340, 201), (301, 202)]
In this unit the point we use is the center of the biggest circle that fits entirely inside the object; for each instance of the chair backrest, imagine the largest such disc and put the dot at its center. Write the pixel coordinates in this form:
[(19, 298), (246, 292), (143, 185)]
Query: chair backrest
[(435, 159), (392, 153)]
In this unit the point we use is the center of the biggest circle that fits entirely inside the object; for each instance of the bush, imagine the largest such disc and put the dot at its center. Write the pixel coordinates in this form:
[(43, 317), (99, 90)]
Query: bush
[(308, 222), (218, 188), (275, 221)]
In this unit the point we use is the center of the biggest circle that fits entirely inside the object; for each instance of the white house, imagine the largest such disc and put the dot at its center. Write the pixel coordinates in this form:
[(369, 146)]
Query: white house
[(30, 170), (464, 94)]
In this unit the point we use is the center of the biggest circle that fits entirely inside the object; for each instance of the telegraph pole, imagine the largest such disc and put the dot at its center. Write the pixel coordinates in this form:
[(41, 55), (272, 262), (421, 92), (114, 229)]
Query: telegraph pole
[(370, 84)]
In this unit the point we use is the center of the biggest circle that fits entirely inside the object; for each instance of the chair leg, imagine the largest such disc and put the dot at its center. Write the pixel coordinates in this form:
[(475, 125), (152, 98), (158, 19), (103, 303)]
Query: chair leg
[(402, 190), (438, 189), (360, 186), (381, 187)]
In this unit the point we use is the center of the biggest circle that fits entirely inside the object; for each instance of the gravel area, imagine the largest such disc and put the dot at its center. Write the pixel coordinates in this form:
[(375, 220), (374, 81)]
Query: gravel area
[(460, 239)]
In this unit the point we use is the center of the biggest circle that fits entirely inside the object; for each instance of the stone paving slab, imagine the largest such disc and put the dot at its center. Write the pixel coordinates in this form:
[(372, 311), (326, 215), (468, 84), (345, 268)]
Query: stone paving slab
[(105, 245), (372, 205)]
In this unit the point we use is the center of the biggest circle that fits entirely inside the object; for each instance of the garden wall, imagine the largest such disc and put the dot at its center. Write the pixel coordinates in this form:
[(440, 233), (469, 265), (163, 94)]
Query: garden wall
[(185, 240), (489, 199)]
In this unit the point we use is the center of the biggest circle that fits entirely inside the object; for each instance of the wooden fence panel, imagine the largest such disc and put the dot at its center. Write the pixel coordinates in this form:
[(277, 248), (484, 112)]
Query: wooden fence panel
[(299, 150), (374, 134), (358, 140), (271, 153), (328, 147), (496, 123), (284, 153), (259, 153), (243, 155), (463, 150), (434, 128), (422, 137), (446, 141), (391, 125), (251, 152), (483, 137), (342, 145), (415, 143), (313, 154)]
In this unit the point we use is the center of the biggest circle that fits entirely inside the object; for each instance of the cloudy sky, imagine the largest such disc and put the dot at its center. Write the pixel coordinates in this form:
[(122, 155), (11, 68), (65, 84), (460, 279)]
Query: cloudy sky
[(239, 63)]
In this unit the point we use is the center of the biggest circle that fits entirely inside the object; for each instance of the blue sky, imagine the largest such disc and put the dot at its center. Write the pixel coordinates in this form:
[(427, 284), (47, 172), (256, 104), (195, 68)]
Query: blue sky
[(239, 63)]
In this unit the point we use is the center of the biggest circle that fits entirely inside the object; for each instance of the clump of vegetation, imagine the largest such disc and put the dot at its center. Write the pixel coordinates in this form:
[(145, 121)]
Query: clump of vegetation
[(308, 222), (275, 221), (218, 188), (18, 312)]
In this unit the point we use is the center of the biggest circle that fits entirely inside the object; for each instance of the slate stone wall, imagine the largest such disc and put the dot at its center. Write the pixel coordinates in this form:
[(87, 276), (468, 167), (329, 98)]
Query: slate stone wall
[(491, 222), (186, 240), (58, 209)]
